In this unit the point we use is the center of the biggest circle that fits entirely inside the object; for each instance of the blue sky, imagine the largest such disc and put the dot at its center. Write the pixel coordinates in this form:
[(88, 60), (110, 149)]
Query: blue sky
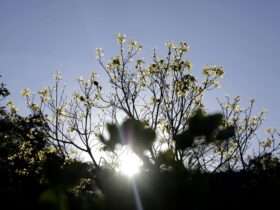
[(38, 37)]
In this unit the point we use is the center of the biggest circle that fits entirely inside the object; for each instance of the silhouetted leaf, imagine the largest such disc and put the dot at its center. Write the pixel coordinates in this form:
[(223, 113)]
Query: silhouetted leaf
[(184, 140), (226, 133), (202, 125), (114, 138), (131, 132), (166, 158), (137, 135)]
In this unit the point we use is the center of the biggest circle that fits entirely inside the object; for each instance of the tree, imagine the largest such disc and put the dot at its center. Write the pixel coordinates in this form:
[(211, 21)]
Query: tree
[(33, 173), (165, 95), (190, 158)]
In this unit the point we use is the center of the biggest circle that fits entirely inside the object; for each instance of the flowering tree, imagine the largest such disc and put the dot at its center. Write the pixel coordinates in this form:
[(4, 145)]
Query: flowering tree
[(246, 125), (163, 94), (70, 121)]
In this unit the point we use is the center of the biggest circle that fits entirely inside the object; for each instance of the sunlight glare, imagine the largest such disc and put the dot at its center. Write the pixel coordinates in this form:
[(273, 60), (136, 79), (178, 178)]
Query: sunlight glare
[(129, 163)]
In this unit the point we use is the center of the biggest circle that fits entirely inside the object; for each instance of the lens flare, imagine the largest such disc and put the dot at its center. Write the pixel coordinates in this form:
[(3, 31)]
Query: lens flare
[(129, 164)]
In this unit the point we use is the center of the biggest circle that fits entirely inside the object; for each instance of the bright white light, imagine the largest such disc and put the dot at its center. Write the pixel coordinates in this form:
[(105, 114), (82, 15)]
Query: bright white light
[(129, 164)]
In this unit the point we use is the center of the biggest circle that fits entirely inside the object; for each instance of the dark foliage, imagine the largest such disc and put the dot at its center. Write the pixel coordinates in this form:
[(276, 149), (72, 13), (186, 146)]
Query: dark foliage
[(33, 176)]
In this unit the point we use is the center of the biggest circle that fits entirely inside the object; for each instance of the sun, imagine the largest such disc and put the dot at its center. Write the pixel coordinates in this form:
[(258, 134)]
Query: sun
[(129, 164)]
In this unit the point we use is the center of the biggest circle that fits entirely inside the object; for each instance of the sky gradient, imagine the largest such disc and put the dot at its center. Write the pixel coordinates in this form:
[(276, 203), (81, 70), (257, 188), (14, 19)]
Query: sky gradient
[(38, 37)]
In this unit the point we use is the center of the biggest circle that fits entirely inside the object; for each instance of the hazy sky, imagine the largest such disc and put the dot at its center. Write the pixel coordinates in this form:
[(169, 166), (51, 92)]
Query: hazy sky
[(38, 37)]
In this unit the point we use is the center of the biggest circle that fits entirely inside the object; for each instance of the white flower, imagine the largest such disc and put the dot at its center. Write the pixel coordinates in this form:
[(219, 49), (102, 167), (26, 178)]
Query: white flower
[(267, 143), (226, 106), (25, 92), (76, 96), (213, 70), (170, 45), (121, 38), (184, 47), (216, 84), (99, 53), (188, 65), (269, 130), (135, 45), (253, 121), (109, 66), (93, 76), (12, 107), (237, 108), (44, 94), (60, 111), (34, 107), (57, 76)]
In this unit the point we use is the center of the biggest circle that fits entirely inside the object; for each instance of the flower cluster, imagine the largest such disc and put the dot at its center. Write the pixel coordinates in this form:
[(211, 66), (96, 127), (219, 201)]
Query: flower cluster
[(180, 65), (99, 53), (12, 107), (121, 38), (26, 92), (184, 47), (133, 44), (179, 49), (186, 83), (267, 143), (213, 71), (34, 107), (57, 76), (44, 94)]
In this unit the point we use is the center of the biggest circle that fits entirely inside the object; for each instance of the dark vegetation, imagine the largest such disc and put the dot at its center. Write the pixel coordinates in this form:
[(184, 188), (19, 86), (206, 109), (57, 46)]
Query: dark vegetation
[(33, 176)]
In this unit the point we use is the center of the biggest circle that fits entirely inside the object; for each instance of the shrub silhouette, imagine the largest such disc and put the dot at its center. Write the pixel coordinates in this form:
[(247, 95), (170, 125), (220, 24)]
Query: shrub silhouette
[(33, 175)]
